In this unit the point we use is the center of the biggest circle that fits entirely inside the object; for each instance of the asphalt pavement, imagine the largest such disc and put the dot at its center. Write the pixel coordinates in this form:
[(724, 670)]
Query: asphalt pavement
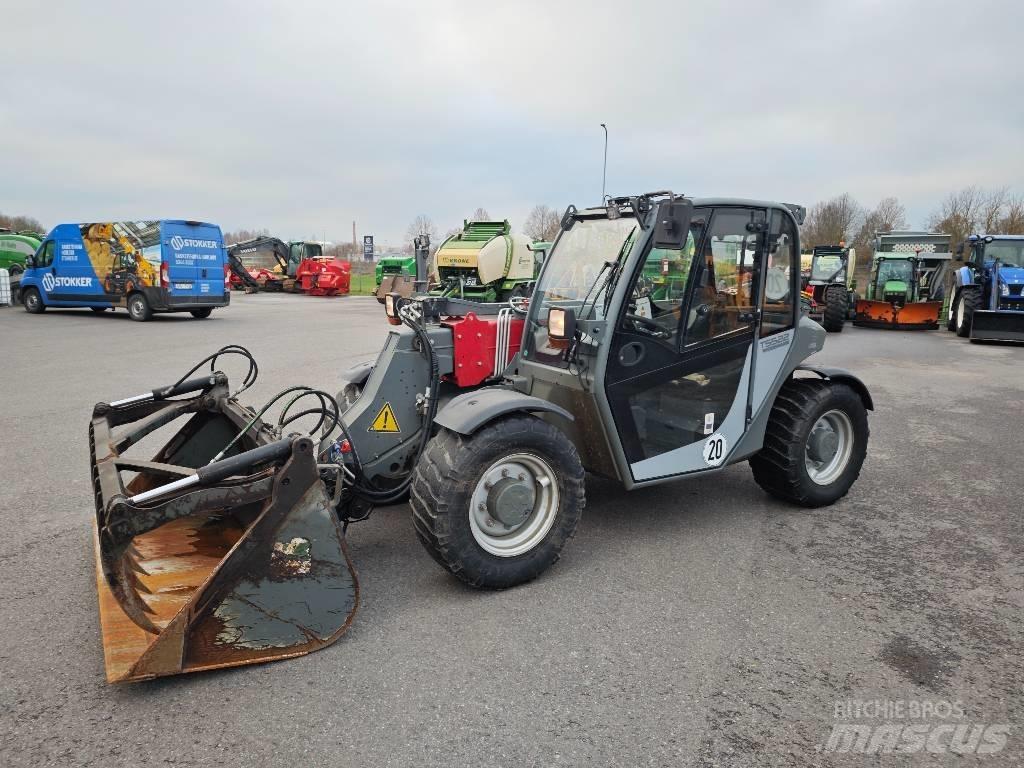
[(693, 623)]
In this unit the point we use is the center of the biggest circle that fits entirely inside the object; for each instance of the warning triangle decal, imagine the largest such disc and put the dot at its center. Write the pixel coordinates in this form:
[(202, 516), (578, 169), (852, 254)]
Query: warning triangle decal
[(385, 421)]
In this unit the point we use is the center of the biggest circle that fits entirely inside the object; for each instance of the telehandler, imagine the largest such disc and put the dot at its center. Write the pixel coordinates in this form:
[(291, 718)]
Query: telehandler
[(228, 546)]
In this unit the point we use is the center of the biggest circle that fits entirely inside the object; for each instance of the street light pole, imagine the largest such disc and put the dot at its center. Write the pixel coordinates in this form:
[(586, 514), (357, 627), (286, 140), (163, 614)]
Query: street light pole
[(604, 171)]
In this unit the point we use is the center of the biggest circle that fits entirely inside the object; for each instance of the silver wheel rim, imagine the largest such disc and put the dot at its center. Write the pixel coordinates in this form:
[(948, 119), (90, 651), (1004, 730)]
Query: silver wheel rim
[(952, 307), (825, 467), (960, 313), (32, 299), (524, 477), (137, 307)]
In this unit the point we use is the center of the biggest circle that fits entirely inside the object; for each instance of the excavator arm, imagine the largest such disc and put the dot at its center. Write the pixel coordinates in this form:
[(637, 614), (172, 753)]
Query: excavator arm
[(237, 252)]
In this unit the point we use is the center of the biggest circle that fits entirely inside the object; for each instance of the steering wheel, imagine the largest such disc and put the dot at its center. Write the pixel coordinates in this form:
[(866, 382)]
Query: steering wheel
[(648, 326), (519, 304)]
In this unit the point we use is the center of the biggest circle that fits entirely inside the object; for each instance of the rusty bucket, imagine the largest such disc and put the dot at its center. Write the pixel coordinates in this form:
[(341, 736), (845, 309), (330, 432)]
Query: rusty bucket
[(203, 565)]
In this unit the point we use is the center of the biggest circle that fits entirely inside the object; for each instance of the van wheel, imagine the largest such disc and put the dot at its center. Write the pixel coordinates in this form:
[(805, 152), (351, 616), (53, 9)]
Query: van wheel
[(138, 308), (32, 301), (201, 314)]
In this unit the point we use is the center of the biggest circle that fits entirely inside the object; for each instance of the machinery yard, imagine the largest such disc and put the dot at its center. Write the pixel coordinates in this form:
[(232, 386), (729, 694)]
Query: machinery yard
[(695, 623)]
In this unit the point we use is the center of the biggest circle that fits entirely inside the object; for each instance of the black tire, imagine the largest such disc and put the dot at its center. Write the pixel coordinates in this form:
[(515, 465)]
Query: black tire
[(969, 300), (836, 307), (201, 314), (99, 310), (780, 467), (32, 301), (447, 475), (14, 270), (138, 308)]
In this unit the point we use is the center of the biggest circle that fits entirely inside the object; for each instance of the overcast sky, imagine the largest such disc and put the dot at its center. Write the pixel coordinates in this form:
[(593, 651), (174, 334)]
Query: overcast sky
[(302, 117)]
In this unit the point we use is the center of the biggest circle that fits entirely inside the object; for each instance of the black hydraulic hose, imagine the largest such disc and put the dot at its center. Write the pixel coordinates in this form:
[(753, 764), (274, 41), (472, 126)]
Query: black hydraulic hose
[(230, 349)]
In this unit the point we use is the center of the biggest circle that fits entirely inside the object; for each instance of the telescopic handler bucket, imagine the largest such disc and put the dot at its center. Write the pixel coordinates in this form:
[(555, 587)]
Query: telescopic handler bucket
[(204, 563)]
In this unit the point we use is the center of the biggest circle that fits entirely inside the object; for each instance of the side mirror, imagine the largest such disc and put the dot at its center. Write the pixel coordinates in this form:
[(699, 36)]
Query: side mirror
[(673, 224), (30, 262), (568, 218)]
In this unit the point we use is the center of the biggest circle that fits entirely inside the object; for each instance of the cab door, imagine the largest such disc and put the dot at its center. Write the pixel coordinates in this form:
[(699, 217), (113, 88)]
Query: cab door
[(677, 377), (43, 273)]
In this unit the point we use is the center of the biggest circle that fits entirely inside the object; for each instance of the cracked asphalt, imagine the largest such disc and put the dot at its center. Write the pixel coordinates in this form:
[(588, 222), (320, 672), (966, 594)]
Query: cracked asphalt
[(699, 623)]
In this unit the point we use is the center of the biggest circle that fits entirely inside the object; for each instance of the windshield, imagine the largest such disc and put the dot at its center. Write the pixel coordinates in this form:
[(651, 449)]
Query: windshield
[(313, 251), (575, 264), (825, 267), (895, 270), (1009, 252)]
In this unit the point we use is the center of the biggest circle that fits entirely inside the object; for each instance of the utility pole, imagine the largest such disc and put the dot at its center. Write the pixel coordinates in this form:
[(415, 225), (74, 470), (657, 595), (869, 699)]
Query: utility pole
[(604, 172)]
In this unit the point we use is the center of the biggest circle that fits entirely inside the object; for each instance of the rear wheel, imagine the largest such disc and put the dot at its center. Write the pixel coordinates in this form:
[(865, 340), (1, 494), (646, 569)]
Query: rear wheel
[(138, 308), (495, 508), (968, 300), (32, 301), (201, 314), (815, 443), (15, 269), (836, 307)]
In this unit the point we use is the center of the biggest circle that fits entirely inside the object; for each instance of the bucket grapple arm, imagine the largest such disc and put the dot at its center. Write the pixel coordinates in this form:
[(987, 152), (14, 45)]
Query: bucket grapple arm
[(224, 548)]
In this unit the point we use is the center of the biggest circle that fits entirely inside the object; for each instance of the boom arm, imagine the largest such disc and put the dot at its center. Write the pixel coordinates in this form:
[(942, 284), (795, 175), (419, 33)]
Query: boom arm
[(278, 248)]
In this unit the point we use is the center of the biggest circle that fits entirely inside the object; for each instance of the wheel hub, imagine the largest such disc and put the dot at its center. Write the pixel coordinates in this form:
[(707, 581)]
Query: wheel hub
[(514, 505), (823, 444), (511, 500)]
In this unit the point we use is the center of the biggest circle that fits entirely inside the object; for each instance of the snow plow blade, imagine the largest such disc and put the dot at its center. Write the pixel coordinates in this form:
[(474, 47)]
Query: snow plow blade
[(204, 564), (920, 315)]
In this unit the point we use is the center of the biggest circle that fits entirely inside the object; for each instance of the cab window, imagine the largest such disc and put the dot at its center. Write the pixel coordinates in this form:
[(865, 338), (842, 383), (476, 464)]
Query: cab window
[(723, 288), (45, 256), (658, 299), (777, 308)]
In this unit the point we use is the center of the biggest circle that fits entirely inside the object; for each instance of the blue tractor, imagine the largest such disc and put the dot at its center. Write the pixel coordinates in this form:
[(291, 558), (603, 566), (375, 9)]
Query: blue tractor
[(986, 299)]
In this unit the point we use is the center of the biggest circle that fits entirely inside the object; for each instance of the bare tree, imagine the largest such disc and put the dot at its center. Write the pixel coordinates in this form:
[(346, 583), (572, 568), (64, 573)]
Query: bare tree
[(480, 214), (238, 236), (20, 223), (421, 225), (888, 216), (962, 213), (831, 221), (542, 223), (1012, 221)]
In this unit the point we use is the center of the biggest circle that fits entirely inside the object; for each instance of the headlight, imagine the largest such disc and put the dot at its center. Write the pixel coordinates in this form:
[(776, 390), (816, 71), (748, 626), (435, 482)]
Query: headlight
[(389, 305), (561, 324), (1004, 289)]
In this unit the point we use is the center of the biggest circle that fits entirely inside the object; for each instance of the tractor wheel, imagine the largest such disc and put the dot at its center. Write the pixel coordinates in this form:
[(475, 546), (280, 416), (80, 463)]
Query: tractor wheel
[(951, 314), (32, 301), (138, 308), (495, 508), (968, 300), (14, 270), (836, 306), (201, 314), (814, 444)]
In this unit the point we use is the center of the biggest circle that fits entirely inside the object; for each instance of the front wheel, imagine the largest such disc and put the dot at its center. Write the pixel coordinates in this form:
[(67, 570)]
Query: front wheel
[(968, 300), (836, 306), (138, 308), (201, 314), (32, 301), (496, 507), (815, 443)]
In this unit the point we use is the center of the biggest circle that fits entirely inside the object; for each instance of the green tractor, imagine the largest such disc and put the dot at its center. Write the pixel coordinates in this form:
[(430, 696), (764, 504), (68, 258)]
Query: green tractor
[(828, 285), (397, 270)]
